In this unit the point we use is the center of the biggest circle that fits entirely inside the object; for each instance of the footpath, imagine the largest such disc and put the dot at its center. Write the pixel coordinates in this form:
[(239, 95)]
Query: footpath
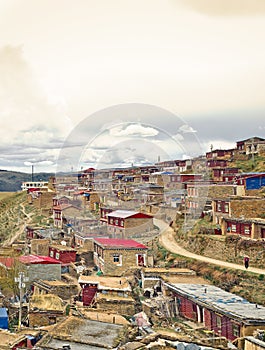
[(167, 240)]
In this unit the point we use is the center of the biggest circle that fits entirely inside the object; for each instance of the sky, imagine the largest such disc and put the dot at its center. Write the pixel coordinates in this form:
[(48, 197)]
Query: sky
[(112, 83)]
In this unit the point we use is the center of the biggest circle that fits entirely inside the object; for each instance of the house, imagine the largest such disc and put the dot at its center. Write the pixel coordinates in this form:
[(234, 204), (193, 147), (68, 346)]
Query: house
[(250, 228), (12, 341), (251, 181), (45, 310), (62, 213), (253, 145), (82, 334), (201, 194), (29, 185), (220, 154), (214, 163), (224, 313), (64, 290), (107, 293), (128, 223), (225, 174), (41, 267), (238, 207), (63, 253), (116, 256)]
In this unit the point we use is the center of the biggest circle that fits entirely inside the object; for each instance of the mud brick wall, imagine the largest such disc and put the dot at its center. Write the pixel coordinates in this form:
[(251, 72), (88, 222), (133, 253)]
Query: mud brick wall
[(45, 200), (38, 319), (40, 247), (251, 208), (118, 306)]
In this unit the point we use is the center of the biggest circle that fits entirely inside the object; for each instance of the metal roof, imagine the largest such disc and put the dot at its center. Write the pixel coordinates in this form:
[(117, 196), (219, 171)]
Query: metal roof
[(120, 243), (225, 302)]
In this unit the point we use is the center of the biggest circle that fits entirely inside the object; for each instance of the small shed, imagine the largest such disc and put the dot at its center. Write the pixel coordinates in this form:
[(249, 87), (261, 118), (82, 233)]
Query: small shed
[(3, 318)]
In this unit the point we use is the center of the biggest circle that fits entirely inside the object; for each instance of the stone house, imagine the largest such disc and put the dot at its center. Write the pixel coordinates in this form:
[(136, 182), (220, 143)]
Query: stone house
[(64, 290), (128, 223), (253, 145), (224, 313), (107, 293), (116, 256), (41, 267), (45, 310)]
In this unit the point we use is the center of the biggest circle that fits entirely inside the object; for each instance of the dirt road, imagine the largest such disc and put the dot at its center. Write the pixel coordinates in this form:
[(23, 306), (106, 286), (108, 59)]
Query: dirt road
[(167, 240)]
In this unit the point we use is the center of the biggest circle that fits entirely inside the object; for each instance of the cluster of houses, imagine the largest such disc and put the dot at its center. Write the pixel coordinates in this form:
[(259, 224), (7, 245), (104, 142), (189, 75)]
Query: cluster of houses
[(92, 255)]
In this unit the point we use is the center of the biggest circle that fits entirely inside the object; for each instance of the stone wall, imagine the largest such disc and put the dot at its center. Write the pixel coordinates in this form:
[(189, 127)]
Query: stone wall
[(122, 307), (129, 261), (40, 247), (44, 272)]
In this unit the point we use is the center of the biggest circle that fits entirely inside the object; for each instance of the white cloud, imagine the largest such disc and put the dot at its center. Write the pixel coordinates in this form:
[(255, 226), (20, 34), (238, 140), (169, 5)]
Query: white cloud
[(133, 130), (186, 129)]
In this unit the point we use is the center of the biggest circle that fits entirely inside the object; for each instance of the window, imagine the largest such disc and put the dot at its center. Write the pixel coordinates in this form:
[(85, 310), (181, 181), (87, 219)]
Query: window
[(122, 223), (246, 230), (233, 228), (116, 258), (51, 253), (116, 222), (111, 221), (219, 206), (235, 330), (226, 208), (57, 256)]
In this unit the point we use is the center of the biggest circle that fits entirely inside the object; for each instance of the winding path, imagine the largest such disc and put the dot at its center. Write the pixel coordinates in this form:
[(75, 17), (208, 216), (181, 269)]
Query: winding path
[(167, 240)]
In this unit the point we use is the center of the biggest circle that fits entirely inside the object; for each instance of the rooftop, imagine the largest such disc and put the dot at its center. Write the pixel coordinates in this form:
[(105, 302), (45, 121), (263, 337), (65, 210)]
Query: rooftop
[(119, 243), (221, 300), (110, 283)]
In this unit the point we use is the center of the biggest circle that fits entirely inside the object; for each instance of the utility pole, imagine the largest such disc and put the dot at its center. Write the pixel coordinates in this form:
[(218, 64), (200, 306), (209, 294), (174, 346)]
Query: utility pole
[(21, 279)]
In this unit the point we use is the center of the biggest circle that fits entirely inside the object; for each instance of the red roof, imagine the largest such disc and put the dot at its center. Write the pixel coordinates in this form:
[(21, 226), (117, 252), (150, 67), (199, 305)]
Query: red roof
[(7, 261), (62, 206), (38, 259), (120, 243)]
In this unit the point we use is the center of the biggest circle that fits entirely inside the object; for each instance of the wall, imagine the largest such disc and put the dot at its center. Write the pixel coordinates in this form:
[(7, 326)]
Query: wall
[(44, 272), (40, 246)]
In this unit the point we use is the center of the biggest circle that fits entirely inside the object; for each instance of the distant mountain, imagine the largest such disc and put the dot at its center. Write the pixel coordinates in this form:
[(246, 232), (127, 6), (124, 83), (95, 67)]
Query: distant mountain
[(10, 181)]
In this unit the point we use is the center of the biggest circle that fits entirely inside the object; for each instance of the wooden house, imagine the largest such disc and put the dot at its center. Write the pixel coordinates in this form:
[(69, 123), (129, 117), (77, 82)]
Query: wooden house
[(116, 256), (224, 313)]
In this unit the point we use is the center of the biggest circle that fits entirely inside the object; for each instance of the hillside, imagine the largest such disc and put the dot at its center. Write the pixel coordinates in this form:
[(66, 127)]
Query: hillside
[(10, 181)]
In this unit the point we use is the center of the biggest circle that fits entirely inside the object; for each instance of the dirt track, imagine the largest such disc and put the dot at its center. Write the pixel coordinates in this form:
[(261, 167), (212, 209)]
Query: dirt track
[(167, 240)]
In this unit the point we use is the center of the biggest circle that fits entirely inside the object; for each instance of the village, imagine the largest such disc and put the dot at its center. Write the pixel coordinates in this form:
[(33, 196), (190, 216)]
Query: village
[(91, 266)]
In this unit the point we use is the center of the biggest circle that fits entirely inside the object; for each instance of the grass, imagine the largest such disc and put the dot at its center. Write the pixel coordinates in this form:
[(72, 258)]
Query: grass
[(4, 195)]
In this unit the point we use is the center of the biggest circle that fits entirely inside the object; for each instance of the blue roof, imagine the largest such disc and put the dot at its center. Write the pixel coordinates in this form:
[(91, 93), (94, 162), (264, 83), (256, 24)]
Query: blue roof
[(3, 312)]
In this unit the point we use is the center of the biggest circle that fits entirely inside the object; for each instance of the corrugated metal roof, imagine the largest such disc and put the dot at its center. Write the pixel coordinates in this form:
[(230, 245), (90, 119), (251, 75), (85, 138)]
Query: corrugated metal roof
[(120, 243), (38, 259), (122, 213), (224, 301)]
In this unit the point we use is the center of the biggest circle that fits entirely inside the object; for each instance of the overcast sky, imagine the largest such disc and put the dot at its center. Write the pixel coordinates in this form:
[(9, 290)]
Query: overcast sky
[(102, 83)]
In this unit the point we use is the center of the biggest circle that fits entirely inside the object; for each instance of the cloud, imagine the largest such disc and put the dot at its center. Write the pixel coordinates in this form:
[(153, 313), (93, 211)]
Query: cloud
[(186, 129), (32, 128), (226, 7), (133, 130)]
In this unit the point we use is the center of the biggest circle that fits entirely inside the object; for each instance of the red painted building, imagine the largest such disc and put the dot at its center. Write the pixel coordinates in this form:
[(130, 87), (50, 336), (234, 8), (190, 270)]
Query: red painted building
[(224, 313), (64, 254)]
